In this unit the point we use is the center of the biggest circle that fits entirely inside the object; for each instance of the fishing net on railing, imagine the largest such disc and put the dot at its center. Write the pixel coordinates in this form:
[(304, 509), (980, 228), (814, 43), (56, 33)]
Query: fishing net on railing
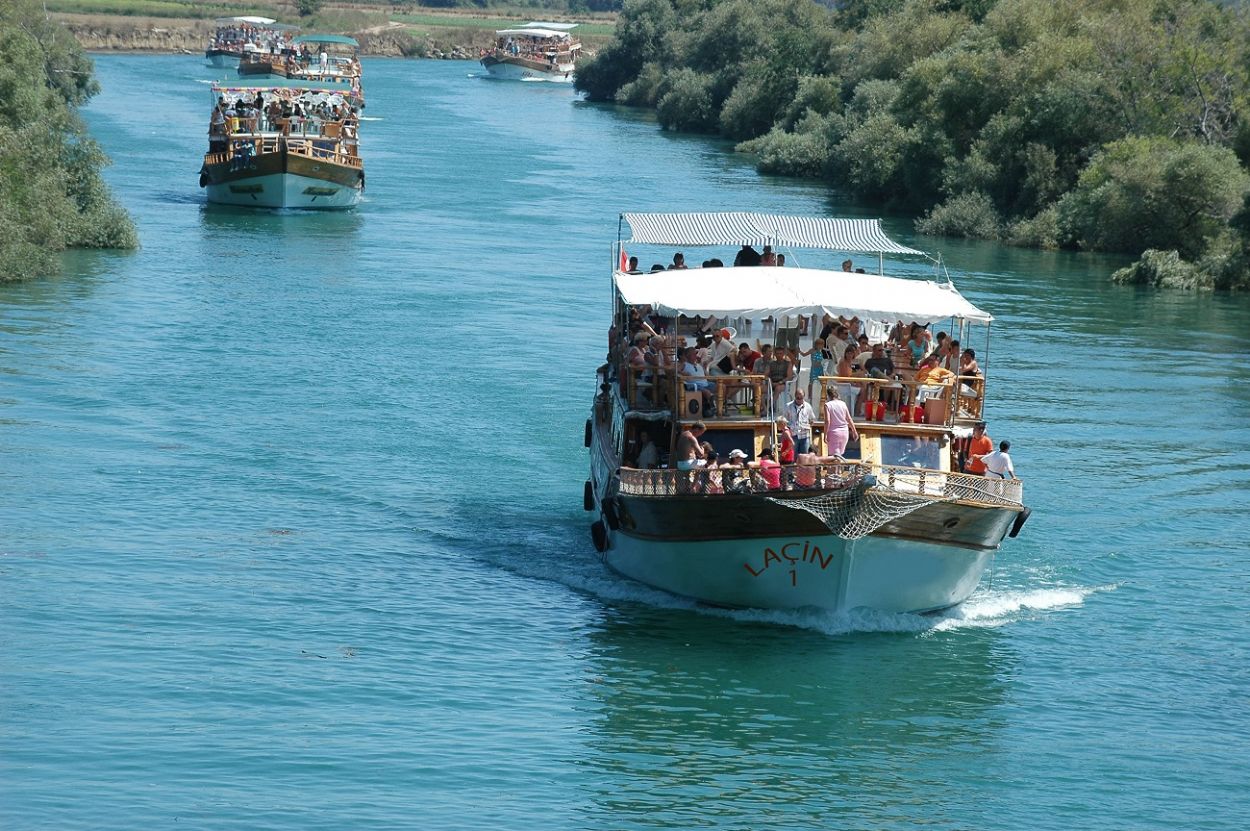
[(857, 512)]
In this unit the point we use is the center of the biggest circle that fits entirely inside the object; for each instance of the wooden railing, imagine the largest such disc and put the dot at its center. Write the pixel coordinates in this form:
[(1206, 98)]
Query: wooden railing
[(740, 397), (964, 487), (272, 144), (901, 401)]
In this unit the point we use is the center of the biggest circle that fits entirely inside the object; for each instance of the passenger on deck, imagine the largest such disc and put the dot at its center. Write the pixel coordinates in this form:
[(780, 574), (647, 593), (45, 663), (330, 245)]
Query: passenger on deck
[(968, 363), (822, 360), (734, 477), (848, 367), (720, 355), (710, 476), (918, 343), (848, 266), (998, 464), (799, 415), (768, 257), (689, 452), (933, 376), (679, 262), (769, 468), (880, 365), (747, 357), (657, 267), (747, 256), (695, 379), (715, 262), (785, 441), (979, 446), (839, 426), (781, 260), (648, 456), (633, 266)]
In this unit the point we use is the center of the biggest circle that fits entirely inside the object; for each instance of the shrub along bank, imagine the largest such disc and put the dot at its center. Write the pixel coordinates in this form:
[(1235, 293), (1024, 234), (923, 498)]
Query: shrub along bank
[(1110, 125), (51, 194)]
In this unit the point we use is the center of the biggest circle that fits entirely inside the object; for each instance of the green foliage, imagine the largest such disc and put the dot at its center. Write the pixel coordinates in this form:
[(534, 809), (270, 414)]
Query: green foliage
[(966, 215), (1153, 192), (51, 194), (307, 7), (1162, 269), (1106, 124), (686, 101)]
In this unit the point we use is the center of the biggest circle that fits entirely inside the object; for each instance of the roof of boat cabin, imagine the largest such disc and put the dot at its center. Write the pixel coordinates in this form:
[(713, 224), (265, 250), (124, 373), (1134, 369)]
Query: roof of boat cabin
[(342, 40), (763, 291), (744, 228)]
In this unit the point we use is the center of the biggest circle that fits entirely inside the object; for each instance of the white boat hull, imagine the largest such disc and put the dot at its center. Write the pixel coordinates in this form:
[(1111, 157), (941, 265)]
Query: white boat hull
[(284, 190), (562, 74), (824, 572)]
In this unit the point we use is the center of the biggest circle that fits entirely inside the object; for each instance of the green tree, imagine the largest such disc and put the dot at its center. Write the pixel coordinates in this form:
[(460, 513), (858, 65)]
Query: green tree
[(1154, 192)]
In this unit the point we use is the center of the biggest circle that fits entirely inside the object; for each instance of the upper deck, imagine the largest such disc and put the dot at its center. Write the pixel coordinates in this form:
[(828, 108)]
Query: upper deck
[(740, 347)]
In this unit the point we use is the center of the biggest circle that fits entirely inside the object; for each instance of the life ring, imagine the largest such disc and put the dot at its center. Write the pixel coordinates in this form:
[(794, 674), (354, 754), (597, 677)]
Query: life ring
[(588, 432), (1021, 518), (588, 496), (610, 515), (599, 535)]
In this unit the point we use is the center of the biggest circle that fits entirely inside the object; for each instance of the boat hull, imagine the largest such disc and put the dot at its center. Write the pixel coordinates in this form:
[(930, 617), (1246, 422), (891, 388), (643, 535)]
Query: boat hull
[(516, 69), (222, 57), (820, 571), (281, 180)]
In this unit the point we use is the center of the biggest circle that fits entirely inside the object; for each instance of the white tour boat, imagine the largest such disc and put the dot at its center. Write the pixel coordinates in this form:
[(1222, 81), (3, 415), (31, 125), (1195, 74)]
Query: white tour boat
[(237, 37), (534, 52), (890, 523)]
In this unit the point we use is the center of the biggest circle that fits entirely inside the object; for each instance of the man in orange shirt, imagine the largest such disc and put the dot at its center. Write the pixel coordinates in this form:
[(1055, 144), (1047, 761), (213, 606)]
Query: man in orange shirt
[(979, 445)]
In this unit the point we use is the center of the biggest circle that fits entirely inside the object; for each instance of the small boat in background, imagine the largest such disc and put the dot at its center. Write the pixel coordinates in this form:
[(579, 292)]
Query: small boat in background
[(324, 61), (236, 37), (283, 145), (536, 51)]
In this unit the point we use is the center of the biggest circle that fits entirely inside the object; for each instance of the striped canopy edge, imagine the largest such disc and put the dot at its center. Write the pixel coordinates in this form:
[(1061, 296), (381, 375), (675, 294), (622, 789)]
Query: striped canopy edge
[(743, 228)]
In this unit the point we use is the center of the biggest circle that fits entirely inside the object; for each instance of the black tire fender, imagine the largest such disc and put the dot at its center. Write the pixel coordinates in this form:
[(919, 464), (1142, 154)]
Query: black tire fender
[(589, 431), (1021, 518), (588, 496), (599, 535), (610, 516)]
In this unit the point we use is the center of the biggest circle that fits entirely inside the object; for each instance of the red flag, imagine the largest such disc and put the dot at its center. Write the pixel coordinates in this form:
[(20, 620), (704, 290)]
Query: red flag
[(624, 260)]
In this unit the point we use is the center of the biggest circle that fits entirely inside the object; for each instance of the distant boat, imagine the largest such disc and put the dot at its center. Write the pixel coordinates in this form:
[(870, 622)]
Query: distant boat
[(534, 52), (236, 36), (885, 520), (299, 151), (318, 60)]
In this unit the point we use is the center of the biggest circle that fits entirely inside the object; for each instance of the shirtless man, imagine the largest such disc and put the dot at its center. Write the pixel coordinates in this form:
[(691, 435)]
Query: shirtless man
[(689, 451)]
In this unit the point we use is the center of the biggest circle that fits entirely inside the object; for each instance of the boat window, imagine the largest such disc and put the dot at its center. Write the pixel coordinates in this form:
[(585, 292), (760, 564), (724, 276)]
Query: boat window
[(911, 451)]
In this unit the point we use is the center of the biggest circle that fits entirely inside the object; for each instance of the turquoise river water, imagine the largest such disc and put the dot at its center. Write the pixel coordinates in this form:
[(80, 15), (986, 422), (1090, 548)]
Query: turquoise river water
[(292, 533)]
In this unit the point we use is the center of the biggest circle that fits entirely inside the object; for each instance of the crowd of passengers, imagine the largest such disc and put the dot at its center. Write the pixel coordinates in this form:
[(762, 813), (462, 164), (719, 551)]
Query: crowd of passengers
[(280, 114), (537, 49), (841, 349), (243, 37)]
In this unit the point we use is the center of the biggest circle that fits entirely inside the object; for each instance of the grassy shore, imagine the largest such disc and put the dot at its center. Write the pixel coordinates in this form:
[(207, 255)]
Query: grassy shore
[(182, 25)]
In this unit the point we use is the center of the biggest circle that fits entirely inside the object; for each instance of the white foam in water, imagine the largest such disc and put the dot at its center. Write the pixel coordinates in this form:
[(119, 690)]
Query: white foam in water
[(372, 118)]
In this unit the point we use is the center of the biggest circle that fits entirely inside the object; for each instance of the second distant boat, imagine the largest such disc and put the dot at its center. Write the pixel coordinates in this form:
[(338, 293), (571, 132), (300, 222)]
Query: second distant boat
[(534, 52)]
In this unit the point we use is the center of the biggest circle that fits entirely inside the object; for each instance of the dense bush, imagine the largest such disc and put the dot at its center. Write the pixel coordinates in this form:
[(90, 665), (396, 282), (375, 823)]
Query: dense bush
[(51, 194), (1106, 124)]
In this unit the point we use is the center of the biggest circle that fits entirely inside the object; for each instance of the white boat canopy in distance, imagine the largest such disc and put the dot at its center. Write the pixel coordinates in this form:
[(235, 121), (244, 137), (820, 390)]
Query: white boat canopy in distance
[(763, 291), (532, 33), (255, 21), (563, 27), (741, 228)]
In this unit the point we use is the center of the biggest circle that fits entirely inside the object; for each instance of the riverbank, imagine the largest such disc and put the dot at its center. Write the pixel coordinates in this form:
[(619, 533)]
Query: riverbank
[(449, 36)]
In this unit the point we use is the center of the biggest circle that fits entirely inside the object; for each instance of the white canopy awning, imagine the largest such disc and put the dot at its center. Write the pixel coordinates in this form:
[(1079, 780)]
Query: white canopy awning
[(759, 292), (255, 21), (741, 228), (540, 24), (533, 33)]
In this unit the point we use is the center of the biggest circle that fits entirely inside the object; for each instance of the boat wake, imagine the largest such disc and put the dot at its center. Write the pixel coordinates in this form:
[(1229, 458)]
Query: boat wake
[(372, 118)]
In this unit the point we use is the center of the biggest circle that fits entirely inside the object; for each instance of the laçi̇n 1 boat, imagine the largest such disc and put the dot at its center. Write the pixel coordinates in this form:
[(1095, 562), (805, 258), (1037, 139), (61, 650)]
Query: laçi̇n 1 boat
[(534, 52), (889, 524), (283, 144)]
